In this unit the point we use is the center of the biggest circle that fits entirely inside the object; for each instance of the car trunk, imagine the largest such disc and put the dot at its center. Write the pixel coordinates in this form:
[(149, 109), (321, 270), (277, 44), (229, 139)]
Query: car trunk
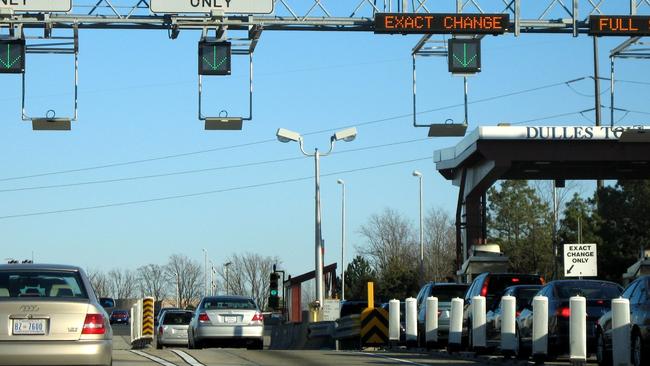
[(37, 320), (175, 331), (231, 317)]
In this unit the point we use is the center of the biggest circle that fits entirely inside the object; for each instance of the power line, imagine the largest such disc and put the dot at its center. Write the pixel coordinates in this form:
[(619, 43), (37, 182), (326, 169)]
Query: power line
[(222, 148), (193, 171), (195, 194)]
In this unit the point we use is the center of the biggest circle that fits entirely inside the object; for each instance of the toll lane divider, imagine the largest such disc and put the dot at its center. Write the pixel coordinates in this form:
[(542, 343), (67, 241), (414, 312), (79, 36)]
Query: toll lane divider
[(374, 327), (187, 358)]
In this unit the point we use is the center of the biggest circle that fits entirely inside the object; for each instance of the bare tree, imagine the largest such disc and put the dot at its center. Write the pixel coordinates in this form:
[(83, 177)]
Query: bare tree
[(153, 282), (248, 274), (123, 283), (440, 241), (100, 283), (187, 277), (389, 241)]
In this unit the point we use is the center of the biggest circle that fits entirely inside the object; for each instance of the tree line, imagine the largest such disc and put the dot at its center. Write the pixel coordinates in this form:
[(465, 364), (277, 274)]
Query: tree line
[(180, 281)]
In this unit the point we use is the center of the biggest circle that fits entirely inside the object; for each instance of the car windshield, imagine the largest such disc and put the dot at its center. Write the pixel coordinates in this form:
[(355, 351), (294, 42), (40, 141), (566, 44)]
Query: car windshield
[(41, 284), (228, 303), (446, 293), (588, 289), (177, 318)]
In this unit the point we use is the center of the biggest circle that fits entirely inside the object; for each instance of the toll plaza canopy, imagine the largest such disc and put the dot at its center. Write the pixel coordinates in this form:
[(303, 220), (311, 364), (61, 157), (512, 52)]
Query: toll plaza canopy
[(535, 153)]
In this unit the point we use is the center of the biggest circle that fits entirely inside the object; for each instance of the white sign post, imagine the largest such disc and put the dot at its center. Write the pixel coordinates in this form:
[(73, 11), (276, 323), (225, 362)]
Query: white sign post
[(207, 6), (580, 260), (37, 5), (331, 310)]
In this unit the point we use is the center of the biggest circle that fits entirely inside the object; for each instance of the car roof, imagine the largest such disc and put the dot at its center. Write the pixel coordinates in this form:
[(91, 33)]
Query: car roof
[(229, 297), (559, 282), (445, 284), (520, 287), (39, 267)]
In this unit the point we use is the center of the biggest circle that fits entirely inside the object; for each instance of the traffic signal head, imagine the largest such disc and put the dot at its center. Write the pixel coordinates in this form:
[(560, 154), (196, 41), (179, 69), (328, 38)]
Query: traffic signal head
[(214, 58), (274, 296), (464, 55), (12, 56)]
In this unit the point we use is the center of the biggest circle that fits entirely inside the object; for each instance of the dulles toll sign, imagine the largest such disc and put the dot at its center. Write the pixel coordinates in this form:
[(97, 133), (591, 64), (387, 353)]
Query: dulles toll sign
[(427, 23)]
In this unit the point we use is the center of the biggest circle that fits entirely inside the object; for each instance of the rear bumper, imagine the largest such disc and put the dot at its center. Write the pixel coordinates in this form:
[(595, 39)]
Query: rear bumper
[(56, 353), (229, 332), (173, 341)]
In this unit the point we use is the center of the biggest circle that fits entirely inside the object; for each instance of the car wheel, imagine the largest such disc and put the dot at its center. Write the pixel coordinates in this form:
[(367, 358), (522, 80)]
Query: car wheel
[(190, 341), (520, 351), (637, 350), (603, 357), (158, 345)]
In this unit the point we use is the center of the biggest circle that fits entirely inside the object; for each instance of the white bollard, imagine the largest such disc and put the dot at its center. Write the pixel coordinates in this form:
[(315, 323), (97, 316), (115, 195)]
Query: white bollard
[(508, 314), (478, 323), (621, 332), (456, 324), (411, 321), (540, 326), (431, 324), (393, 320), (578, 329)]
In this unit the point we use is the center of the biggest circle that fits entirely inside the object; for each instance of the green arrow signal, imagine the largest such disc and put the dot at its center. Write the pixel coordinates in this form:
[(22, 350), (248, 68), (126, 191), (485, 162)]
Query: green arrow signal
[(465, 62), (8, 64), (214, 65), (274, 292)]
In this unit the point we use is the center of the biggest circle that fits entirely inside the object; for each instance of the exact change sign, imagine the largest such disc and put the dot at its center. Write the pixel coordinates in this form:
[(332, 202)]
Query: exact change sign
[(37, 5), (580, 260), (207, 6)]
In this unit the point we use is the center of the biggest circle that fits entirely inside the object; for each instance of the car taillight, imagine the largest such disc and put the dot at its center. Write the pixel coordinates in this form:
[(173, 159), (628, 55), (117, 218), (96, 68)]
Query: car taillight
[(517, 313), (258, 317), (541, 279), (514, 280), (93, 324), (160, 330), (203, 317), (564, 312), (484, 289)]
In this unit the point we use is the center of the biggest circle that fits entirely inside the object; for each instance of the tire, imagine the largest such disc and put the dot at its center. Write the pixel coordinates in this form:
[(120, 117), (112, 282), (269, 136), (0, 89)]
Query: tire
[(638, 357), (158, 345), (603, 357), (520, 351), (190, 341)]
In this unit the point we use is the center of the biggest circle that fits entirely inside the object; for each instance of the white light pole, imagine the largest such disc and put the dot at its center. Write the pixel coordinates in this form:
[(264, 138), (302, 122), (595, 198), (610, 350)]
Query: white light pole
[(227, 279), (419, 175), (342, 183), (205, 272), (285, 135), (213, 273)]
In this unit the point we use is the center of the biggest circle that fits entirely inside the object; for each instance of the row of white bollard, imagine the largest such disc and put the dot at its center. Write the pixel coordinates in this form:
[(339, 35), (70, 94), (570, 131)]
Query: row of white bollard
[(509, 341)]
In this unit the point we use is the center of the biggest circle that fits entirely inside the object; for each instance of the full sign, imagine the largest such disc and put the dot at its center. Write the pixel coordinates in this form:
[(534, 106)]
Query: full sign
[(37, 5), (427, 23), (580, 260), (619, 25), (207, 6)]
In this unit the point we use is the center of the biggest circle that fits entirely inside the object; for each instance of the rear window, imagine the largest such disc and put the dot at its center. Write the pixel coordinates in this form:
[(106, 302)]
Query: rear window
[(446, 293), (524, 296), (498, 283), (590, 290), (234, 304), (120, 312), (174, 318), (41, 284)]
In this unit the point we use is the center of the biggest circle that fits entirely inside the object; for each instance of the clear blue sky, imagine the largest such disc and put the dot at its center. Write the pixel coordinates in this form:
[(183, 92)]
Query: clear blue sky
[(138, 100)]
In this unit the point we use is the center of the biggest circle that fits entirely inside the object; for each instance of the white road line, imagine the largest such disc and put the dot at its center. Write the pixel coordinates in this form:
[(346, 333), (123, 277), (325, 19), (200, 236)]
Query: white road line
[(394, 359), (153, 358), (187, 358)]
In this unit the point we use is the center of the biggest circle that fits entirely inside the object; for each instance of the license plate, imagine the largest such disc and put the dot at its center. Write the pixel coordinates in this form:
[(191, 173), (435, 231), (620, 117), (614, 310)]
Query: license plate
[(230, 319), (29, 326)]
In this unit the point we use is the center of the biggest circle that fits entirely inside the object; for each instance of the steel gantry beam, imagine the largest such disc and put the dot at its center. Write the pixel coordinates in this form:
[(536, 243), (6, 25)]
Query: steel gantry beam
[(528, 16)]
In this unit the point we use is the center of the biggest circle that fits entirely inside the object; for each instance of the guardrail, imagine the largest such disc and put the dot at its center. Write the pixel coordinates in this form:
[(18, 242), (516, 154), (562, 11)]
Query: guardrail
[(348, 332)]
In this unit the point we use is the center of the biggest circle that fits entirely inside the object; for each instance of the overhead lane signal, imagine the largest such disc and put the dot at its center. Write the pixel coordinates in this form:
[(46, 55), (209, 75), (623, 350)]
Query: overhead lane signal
[(214, 58), (619, 25), (452, 23), (12, 56), (464, 55)]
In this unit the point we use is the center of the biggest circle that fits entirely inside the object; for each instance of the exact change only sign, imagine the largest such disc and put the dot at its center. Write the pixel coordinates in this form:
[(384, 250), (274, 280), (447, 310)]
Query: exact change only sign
[(207, 6), (37, 5), (580, 260)]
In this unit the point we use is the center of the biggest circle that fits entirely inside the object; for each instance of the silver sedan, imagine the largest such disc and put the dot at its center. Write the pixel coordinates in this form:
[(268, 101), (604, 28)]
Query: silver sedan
[(49, 315), (172, 328), (227, 320)]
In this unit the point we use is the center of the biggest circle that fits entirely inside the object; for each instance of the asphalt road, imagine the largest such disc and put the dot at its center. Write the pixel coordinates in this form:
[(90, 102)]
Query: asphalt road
[(123, 355)]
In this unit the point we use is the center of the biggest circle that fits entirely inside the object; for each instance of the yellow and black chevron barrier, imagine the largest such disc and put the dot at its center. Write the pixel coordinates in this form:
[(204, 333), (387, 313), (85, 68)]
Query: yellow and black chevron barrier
[(147, 317), (374, 327)]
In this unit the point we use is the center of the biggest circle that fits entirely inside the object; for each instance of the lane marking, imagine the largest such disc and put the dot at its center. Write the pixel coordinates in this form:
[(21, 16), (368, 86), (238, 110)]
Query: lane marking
[(394, 359), (187, 358), (153, 358)]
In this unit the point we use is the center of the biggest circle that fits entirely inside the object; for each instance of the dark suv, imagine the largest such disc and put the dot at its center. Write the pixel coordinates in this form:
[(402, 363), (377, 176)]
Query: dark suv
[(491, 286)]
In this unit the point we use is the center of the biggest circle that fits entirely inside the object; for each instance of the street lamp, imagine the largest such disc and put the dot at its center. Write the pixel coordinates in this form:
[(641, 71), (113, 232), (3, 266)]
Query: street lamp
[(205, 272), (419, 175), (346, 135), (342, 183), (227, 279)]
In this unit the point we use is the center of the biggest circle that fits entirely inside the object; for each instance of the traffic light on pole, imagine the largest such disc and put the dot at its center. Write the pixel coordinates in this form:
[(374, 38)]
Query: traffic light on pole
[(274, 296)]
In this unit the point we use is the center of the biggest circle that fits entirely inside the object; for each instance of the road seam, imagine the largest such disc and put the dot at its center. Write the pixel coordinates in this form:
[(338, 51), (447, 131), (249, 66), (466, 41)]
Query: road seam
[(187, 358), (153, 358), (393, 359)]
